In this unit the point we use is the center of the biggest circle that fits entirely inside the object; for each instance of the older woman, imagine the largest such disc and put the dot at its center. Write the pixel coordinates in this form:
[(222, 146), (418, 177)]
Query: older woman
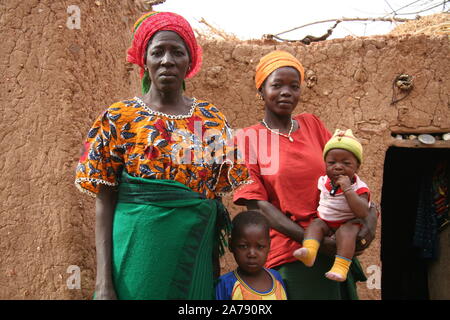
[(157, 165), (288, 197)]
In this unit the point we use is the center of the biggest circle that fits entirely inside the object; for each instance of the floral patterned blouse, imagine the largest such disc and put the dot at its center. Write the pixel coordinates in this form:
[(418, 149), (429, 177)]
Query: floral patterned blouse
[(196, 149)]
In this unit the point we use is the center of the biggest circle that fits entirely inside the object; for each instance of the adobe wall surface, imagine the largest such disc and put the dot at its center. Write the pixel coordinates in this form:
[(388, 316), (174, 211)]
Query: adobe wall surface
[(55, 81)]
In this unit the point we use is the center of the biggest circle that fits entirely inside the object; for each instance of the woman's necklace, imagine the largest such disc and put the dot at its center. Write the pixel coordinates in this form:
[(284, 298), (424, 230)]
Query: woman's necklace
[(279, 133), (170, 116)]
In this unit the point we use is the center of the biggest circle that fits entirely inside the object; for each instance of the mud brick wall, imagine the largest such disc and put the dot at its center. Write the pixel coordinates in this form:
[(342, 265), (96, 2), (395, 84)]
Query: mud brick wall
[(54, 81)]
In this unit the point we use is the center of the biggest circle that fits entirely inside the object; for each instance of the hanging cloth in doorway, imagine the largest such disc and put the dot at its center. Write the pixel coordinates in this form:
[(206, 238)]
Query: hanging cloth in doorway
[(432, 210), (441, 186)]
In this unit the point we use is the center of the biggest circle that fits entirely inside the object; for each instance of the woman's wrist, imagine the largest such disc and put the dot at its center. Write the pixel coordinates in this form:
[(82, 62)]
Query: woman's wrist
[(104, 277), (104, 285)]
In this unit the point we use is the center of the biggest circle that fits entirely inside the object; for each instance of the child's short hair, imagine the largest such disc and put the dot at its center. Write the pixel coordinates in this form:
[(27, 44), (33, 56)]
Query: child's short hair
[(246, 218)]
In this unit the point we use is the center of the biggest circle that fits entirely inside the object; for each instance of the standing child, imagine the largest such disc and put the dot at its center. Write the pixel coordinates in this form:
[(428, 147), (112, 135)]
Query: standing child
[(343, 197), (250, 245)]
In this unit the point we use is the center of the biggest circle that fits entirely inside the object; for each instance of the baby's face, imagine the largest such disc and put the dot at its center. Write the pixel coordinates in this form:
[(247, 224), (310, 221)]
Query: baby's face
[(340, 162), (250, 248)]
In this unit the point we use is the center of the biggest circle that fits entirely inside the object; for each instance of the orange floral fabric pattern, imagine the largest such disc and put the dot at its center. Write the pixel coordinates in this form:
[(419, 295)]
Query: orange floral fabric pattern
[(196, 149)]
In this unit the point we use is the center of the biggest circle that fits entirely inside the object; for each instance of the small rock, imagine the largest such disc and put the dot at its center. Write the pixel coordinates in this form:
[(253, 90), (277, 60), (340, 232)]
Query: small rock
[(360, 75), (11, 273), (311, 78)]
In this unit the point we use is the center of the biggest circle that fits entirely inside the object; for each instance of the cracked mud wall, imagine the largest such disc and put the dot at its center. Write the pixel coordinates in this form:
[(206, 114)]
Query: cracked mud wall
[(55, 81)]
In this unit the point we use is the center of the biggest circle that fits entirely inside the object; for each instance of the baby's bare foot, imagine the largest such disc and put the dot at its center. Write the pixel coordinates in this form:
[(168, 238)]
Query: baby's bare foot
[(304, 256)]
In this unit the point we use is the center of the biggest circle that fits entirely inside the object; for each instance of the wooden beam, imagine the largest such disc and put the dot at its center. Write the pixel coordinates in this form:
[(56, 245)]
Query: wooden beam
[(416, 131), (439, 144)]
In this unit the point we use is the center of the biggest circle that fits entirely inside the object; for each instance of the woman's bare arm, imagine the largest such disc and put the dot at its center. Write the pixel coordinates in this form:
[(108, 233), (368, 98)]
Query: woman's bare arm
[(368, 230), (280, 222), (277, 220), (104, 213)]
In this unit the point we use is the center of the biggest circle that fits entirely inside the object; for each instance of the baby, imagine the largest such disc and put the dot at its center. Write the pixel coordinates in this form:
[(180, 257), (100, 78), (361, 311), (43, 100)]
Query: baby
[(343, 197), (250, 245)]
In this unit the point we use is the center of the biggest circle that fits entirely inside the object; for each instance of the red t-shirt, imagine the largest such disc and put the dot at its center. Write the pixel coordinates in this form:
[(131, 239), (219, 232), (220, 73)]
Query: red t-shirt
[(290, 184)]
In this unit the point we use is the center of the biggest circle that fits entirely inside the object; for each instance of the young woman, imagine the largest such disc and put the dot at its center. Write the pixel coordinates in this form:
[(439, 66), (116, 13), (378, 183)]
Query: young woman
[(289, 197)]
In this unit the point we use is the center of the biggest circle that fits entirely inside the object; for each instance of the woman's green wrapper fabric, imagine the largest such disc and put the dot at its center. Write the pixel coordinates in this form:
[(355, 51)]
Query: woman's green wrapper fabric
[(163, 237)]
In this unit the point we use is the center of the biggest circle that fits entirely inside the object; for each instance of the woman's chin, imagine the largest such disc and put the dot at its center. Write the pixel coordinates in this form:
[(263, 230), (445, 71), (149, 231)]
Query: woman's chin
[(285, 110), (168, 86)]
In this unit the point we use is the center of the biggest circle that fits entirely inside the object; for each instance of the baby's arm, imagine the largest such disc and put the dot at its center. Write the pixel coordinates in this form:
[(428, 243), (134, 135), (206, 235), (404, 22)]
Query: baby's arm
[(359, 204)]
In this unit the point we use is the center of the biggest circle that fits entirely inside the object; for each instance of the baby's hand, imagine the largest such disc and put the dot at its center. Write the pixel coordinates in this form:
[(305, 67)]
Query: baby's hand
[(344, 182)]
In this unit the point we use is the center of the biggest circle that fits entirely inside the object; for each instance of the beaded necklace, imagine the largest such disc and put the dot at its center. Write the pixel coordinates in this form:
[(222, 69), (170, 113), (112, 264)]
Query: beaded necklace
[(170, 116), (279, 133)]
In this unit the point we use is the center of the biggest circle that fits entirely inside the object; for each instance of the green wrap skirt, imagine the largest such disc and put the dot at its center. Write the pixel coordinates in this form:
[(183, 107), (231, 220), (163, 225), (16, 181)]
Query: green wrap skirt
[(163, 239)]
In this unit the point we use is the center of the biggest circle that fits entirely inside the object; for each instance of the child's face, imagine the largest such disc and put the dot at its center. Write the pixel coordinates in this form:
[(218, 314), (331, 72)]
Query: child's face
[(340, 162), (250, 248)]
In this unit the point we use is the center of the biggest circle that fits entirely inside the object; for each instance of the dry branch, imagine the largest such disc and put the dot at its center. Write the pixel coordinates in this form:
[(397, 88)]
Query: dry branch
[(218, 32), (348, 20), (308, 39)]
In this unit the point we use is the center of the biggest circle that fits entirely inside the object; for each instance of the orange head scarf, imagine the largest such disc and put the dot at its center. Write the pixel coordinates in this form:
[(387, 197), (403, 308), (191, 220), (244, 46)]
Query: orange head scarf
[(273, 61)]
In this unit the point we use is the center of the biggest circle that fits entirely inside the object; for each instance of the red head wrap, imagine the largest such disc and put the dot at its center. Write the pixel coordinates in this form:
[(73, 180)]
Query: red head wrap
[(150, 23)]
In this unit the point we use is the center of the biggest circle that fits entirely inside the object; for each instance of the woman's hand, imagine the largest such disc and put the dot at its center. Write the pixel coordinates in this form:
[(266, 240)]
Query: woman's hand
[(328, 246), (368, 229), (105, 294)]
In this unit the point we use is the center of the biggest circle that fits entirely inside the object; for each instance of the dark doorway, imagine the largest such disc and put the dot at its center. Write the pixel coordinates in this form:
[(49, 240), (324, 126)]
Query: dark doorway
[(404, 269)]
